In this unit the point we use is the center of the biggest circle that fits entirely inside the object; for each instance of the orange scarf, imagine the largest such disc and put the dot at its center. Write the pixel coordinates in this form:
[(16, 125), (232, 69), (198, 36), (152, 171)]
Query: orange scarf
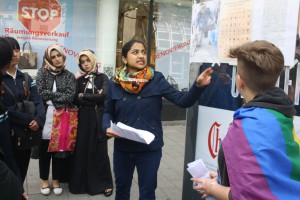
[(133, 82)]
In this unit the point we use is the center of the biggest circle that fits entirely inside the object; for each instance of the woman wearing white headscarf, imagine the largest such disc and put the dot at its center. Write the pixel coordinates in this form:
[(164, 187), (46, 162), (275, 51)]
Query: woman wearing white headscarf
[(57, 87), (91, 172)]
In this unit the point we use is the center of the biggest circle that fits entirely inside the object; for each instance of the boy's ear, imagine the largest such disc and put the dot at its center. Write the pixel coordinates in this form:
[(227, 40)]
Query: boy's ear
[(239, 82)]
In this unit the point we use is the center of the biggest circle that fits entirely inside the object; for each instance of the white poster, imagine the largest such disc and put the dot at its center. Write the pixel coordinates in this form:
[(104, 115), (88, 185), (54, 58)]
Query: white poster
[(218, 25), (276, 21), (212, 127), (235, 25)]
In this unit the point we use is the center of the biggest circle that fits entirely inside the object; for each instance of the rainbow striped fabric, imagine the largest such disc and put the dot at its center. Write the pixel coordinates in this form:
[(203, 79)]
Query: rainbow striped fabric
[(262, 153)]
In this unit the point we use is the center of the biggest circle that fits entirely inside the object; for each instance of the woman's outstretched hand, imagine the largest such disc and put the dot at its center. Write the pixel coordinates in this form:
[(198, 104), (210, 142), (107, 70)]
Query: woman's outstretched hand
[(204, 78), (110, 133)]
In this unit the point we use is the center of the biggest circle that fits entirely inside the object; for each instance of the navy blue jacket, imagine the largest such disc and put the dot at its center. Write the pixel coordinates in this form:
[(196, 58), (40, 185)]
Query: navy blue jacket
[(17, 86), (143, 110)]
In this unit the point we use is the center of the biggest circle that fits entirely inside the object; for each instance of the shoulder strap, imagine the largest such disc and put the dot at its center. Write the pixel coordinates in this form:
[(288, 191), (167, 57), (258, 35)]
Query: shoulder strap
[(26, 83), (10, 92)]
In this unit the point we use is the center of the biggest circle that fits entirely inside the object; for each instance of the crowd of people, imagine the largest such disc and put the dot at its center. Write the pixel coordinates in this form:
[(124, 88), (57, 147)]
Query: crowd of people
[(248, 156), (55, 88)]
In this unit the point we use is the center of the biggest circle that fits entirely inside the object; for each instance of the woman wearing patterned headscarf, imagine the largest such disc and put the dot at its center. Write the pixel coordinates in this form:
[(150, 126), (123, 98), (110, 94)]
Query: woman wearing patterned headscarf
[(91, 172), (57, 87)]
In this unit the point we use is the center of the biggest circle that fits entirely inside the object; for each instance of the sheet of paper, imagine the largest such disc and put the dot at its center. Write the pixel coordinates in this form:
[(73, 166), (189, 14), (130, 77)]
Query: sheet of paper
[(198, 169), (131, 133)]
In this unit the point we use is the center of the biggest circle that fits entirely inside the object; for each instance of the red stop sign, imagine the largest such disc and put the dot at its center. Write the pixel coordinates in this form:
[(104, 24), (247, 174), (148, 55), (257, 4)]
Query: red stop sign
[(37, 15)]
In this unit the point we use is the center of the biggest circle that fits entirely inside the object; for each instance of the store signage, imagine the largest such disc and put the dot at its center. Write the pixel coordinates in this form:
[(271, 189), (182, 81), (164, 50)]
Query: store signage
[(42, 16), (171, 50), (214, 139)]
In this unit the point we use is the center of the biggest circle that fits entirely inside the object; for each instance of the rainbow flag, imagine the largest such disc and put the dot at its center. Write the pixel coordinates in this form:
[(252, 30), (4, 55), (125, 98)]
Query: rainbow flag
[(262, 153)]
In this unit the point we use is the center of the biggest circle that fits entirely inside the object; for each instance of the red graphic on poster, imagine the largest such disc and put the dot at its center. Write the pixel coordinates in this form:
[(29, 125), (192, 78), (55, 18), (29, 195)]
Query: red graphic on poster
[(37, 15), (213, 139)]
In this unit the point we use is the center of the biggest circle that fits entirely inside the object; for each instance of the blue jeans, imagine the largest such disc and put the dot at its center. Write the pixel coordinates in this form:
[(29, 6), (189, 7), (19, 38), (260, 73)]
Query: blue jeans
[(147, 164)]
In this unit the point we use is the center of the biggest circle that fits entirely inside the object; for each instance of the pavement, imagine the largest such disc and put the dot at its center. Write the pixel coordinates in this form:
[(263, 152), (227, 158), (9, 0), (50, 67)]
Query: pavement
[(170, 174)]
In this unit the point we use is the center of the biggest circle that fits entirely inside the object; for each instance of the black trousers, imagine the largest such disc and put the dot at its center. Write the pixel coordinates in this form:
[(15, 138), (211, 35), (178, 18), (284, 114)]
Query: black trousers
[(22, 158), (44, 163)]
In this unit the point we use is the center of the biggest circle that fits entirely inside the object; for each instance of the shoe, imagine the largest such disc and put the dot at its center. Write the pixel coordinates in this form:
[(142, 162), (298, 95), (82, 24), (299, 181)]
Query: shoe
[(57, 190), (45, 190), (108, 192)]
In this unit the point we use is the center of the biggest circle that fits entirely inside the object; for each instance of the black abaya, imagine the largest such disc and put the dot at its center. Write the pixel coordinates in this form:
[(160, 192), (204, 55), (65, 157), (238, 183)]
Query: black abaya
[(90, 168)]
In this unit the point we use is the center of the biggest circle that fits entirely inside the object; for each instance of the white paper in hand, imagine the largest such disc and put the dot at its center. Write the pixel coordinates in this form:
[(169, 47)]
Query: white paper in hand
[(131, 133), (198, 169)]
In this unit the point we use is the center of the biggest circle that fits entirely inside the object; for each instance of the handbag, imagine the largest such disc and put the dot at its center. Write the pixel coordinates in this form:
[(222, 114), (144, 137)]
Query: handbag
[(23, 137), (28, 58), (64, 129)]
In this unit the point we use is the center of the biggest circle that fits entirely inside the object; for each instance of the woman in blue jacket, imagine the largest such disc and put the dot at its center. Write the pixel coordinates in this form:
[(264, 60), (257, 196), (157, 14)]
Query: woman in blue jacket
[(10, 183), (14, 79), (135, 99)]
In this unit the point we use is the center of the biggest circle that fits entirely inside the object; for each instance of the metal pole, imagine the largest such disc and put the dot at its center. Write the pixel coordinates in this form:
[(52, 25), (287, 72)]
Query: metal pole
[(150, 30)]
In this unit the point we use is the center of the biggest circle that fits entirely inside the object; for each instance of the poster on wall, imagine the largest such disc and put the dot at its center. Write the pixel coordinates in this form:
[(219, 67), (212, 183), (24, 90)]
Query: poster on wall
[(218, 25), (204, 31), (241, 21), (37, 24), (276, 22), (235, 25)]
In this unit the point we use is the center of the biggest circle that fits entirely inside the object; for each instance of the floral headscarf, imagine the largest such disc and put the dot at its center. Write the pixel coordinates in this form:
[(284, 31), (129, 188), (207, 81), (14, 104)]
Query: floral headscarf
[(47, 60)]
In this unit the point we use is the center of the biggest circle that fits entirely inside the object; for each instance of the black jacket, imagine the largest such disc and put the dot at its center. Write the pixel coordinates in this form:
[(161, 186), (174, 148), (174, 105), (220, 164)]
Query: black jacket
[(18, 87), (10, 185)]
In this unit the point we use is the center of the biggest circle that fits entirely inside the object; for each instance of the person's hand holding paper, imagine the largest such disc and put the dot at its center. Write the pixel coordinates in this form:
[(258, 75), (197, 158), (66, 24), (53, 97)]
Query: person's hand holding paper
[(130, 133), (200, 173), (198, 169), (111, 133)]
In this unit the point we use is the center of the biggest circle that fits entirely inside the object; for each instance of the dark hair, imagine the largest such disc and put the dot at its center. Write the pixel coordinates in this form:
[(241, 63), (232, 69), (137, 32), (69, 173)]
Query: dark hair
[(261, 63), (128, 46), (14, 43), (6, 52)]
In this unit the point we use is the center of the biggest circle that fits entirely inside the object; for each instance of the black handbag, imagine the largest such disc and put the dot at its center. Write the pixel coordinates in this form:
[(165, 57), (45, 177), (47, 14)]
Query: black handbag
[(24, 138)]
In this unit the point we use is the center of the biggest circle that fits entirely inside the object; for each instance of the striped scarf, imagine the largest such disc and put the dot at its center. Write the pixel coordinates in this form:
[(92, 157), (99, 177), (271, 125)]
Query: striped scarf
[(262, 153)]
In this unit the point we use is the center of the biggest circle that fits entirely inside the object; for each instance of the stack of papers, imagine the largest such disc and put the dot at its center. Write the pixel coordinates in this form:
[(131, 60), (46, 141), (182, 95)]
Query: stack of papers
[(130, 133)]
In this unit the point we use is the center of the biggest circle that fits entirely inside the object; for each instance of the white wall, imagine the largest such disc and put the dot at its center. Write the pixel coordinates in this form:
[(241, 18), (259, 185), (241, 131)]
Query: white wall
[(107, 29)]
